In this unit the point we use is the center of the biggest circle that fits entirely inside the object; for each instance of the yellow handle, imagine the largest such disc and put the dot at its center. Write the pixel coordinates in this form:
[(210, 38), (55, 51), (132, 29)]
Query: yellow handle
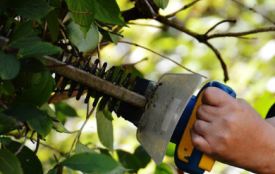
[(186, 147)]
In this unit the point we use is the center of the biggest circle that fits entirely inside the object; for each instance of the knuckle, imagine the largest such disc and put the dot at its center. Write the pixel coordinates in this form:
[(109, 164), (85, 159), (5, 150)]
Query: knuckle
[(208, 93), (200, 111), (197, 126), (196, 143)]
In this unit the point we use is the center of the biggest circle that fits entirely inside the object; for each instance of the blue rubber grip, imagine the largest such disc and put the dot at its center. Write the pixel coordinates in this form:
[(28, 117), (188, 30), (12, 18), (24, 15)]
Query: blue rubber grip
[(192, 165)]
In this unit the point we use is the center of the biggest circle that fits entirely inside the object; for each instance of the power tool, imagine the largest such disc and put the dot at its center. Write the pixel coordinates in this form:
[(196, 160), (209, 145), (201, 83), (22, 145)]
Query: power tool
[(163, 111)]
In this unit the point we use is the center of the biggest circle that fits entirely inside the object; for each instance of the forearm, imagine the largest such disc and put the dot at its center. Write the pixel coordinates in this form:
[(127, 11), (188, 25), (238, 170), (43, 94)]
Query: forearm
[(264, 154)]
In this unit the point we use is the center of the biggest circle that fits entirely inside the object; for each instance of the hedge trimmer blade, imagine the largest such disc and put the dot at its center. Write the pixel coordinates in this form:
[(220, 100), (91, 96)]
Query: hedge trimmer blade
[(163, 111)]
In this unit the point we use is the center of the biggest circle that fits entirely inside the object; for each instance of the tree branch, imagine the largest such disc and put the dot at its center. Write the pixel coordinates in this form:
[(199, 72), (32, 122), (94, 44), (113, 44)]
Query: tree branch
[(223, 21), (168, 22), (224, 67), (183, 8), (239, 34), (151, 9), (255, 11)]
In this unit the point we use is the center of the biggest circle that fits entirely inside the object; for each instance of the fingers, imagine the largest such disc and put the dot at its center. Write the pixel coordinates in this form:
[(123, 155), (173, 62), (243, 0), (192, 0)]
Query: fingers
[(201, 127), (206, 113), (215, 97), (199, 142)]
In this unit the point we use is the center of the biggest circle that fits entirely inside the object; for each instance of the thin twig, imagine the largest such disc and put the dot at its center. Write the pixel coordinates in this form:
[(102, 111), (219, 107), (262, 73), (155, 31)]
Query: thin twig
[(223, 21), (130, 43), (68, 10), (62, 26), (48, 146), (146, 25), (59, 167), (224, 67), (239, 34), (132, 64), (83, 125), (255, 11), (23, 143), (37, 143), (183, 8), (45, 30), (164, 20), (31, 138), (3, 105), (151, 9), (99, 56), (118, 34)]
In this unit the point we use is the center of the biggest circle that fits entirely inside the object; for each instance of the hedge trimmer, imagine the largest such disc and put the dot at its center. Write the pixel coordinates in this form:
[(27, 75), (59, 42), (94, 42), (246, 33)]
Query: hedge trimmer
[(164, 111)]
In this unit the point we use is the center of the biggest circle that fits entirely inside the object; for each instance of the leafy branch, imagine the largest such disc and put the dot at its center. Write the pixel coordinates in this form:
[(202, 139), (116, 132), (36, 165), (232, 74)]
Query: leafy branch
[(136, 13)]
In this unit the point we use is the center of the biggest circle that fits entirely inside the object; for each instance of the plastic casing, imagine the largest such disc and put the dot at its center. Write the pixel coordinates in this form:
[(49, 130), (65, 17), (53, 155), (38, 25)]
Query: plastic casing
[(195, 158)]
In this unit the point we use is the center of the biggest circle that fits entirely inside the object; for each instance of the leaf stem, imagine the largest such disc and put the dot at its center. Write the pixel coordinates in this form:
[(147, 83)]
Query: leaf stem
[(3, 105), (23, 143), (59, 167), (83, 125)]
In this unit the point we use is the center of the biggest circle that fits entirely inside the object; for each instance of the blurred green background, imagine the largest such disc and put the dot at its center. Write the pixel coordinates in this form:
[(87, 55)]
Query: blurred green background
[(250, 64)]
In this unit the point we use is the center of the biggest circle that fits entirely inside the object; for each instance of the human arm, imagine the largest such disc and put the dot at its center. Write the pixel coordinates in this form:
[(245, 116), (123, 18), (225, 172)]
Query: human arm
[(231, 131)]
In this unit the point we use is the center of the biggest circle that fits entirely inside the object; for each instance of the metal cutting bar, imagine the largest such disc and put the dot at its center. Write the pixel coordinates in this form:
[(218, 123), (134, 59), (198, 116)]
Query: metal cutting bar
[(90, 80)]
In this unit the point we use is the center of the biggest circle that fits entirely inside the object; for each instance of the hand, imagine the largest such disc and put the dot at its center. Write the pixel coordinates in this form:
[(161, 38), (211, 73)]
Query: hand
[(231, 131)]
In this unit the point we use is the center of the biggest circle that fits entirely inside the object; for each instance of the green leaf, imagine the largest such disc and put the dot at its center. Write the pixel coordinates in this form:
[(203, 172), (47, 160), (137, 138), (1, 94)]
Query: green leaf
[(163, 169), (104, 129), (5, 140), (170, 149), (40, 49), (23, 37), (40, 90), (9, 66), (109, 36), (9, 164), (106, 113), (93, 162), (83, 20), (29, 161), (42, 124), (24, 112), (8, 88), (128, 160), (56, 3), (53, 24), (8, 123), (57, 125), (31, 9), (32, 65), (81, 148), (105, 152), (108, 11), (76, 36), (142, 156), (54, 170), (64, 109), (162, 3)]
